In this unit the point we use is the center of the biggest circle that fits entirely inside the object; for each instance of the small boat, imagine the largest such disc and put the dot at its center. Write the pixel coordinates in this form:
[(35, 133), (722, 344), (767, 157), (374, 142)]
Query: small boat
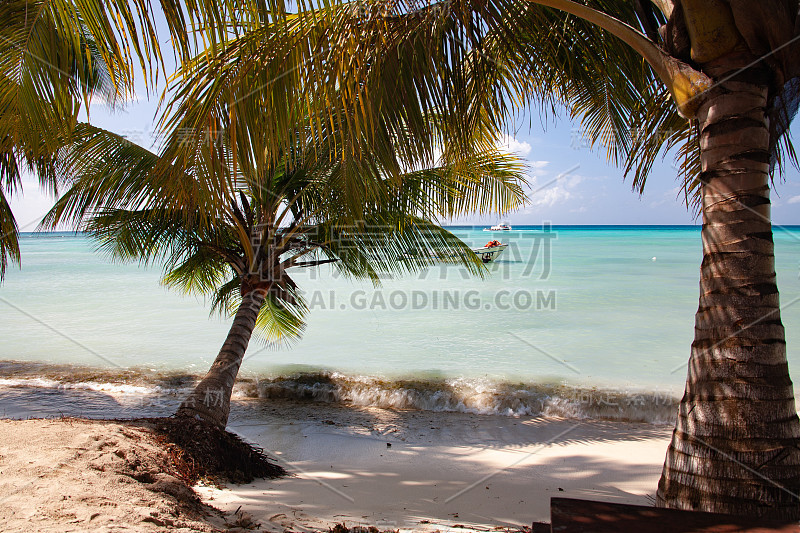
[(503, 226), (490, 252), (487, 253)]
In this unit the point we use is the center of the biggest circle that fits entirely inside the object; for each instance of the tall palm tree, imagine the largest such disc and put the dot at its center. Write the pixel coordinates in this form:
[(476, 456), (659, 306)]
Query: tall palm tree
[(239, 241), (55, 57), (733, 70), (718, 80)]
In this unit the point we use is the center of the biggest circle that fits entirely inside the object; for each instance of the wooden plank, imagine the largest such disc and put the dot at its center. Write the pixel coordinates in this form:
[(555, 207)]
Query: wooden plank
[(568, 515)]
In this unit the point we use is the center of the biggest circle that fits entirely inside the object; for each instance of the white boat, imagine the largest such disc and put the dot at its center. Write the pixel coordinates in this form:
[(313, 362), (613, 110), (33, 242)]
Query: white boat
[(488, 253), (503, 226)]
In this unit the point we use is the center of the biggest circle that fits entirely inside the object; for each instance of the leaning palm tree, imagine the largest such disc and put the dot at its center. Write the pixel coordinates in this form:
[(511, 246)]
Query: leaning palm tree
[(238, 241), (55, 57), (717, 80)]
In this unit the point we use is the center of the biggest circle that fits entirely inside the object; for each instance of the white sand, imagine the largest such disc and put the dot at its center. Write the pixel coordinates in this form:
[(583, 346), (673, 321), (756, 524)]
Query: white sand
[(442, 469)]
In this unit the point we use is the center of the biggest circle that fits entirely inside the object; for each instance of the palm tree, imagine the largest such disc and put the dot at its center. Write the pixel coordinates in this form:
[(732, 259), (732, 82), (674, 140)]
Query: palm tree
[(732, 69), (716, 79), (55, 56), (238, 241)]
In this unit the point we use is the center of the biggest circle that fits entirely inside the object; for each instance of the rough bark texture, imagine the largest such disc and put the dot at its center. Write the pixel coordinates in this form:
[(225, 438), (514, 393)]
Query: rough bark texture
[(735, 445), (210, 401)]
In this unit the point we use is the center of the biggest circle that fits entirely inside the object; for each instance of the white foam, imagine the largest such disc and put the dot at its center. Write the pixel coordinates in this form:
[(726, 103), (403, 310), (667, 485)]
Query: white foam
[(468, 395), (113, 388), (475, 396), (41, 383)]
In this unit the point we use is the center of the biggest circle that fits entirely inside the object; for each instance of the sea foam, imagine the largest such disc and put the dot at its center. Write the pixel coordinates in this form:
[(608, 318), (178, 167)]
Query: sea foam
[(467, 395)]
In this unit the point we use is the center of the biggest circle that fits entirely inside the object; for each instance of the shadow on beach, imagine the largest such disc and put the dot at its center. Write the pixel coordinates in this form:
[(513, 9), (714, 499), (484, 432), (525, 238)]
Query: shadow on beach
[(400, 468), (396, 468)]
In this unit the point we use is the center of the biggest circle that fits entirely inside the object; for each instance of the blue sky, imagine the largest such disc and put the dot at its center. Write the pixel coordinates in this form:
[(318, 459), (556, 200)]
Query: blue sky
[(570, 184), (573, 184)]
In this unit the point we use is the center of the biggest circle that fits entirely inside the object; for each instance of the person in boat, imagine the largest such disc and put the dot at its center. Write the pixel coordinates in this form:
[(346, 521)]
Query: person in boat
[(492, 244)]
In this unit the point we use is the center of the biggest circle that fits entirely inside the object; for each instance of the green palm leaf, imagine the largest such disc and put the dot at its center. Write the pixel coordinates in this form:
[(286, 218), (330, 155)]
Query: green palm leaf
[(142, 206), (56, 55), (9, 243)]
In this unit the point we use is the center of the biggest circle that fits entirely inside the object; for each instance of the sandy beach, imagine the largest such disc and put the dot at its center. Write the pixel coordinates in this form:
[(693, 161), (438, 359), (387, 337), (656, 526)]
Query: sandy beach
[(393, 469), (70, 474)]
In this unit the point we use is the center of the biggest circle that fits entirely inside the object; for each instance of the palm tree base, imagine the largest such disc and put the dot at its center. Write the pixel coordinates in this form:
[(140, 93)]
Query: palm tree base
[(205, 451)]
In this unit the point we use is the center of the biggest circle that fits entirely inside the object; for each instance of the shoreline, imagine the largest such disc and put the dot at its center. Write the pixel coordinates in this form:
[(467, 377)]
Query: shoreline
[(411, 470), (157, 390)]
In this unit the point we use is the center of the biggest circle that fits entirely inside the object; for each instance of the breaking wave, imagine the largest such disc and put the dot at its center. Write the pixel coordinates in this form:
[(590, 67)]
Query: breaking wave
[(469, 395)]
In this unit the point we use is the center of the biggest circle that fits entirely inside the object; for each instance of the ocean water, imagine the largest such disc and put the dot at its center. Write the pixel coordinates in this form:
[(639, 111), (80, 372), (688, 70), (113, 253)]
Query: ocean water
[(585, 321)]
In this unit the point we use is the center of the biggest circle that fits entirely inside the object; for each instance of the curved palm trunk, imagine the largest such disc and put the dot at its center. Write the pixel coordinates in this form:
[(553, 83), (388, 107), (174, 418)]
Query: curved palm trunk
[(735, 445), (210, 400)]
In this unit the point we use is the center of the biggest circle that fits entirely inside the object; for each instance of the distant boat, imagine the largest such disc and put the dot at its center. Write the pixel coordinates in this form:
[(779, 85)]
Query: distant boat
[(503, 226), (490, 252)]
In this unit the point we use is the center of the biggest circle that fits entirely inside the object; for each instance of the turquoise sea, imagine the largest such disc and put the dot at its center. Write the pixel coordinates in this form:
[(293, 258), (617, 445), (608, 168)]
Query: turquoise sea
[(585, 321)]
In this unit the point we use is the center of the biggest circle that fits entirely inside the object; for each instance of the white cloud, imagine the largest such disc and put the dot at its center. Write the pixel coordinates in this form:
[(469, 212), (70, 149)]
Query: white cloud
[(511, 144), (537, 169), (794, 200), (549, 197), (549, 192), (571, 180)]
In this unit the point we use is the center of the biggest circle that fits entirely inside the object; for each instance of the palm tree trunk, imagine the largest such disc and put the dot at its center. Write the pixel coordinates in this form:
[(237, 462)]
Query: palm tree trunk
[(210, 401), (735, 444)]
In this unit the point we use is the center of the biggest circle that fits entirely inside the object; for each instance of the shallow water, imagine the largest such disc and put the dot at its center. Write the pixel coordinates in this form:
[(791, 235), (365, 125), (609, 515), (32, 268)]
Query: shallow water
[(578, 315)]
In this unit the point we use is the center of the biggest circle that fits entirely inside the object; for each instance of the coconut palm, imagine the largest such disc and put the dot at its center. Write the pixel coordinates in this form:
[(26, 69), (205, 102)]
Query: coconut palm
[(238, 241), (55, 57), (717, 80), (732, 70)]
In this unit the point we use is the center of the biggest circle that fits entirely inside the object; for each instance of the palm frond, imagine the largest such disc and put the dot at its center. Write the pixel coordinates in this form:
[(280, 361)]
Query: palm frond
[(274, 75), (368, 75), (103, 170), (385, 244), (201, 271), (489, 182), (9, 236), (147, 236), (226, 298), (56, 56), (281, 320), (619, 102)]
